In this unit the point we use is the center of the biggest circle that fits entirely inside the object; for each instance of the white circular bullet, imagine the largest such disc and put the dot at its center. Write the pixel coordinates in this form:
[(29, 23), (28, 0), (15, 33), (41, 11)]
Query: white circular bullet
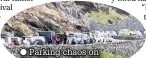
[(23, 51)]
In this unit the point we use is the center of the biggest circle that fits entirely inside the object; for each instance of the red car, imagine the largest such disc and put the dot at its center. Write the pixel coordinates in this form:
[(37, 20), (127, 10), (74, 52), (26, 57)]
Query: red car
[(144, 33)]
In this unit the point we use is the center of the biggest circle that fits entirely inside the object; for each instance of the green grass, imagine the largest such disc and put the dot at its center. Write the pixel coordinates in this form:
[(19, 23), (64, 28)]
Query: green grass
[(104, 54), (104, 17)]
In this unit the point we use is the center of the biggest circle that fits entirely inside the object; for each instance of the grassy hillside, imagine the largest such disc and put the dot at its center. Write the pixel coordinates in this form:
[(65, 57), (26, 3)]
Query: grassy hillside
[(108, 17), (104, 54)]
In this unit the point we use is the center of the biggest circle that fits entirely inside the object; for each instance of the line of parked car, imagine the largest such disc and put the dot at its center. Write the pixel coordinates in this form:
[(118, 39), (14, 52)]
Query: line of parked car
[(50, 37)]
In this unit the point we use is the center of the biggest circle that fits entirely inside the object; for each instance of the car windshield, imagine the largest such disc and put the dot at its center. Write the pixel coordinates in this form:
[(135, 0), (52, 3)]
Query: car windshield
[(71, 35), (13, 39), (78, 35)]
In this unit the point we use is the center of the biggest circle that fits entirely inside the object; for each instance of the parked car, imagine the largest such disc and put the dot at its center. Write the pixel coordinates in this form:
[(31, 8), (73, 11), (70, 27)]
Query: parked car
[(105, 33), (144, 33), (136, 33), (111, 33), (70, 38), (25, 42), (74, 38), (98, 33), (84, 38), (14, 41), (108, 40), (61, 37), (48, 36), (35, 40)]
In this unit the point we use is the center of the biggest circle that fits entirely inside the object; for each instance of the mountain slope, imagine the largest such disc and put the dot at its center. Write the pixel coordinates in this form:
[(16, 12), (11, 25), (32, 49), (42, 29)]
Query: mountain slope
[(68, 16)]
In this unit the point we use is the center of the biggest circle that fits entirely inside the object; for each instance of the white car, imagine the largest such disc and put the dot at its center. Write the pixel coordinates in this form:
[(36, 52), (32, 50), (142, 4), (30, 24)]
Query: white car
[(35, 40), (84, 38), (70, 38), (74, 38), (108, 40), (108, 33), (78, 37), (26, 42), (136, 33), (15, 40), (99, 34), (112, 33)]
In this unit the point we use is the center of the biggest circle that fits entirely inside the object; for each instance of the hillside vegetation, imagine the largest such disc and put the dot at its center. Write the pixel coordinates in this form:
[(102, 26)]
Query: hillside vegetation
[(105, 54), (66, 16), (109, 17)]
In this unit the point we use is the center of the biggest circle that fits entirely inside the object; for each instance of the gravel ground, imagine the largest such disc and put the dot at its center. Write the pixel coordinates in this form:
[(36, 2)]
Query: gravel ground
[(127, 48)]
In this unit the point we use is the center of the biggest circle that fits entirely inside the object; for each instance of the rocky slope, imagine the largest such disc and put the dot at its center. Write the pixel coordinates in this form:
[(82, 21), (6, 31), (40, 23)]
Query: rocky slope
[(74, 16)]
